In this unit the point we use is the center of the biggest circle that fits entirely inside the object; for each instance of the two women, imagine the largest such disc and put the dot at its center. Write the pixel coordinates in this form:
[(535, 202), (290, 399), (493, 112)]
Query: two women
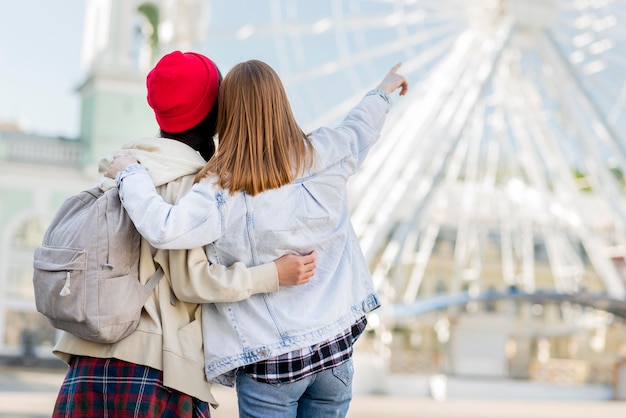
[(157, 370), (269, 191)]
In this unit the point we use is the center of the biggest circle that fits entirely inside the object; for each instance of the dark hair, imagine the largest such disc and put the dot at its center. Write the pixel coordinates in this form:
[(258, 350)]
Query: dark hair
[(200, 137)]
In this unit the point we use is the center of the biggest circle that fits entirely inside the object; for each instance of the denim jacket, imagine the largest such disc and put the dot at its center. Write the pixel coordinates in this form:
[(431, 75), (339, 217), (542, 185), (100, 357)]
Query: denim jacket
[(311, 213)]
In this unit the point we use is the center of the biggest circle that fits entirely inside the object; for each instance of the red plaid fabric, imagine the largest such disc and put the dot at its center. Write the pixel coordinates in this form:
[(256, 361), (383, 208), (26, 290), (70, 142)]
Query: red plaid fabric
[(95, 387)]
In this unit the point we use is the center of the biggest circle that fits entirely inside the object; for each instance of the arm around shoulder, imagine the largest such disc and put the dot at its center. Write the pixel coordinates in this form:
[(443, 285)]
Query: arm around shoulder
[(194, 279), (194, 221)]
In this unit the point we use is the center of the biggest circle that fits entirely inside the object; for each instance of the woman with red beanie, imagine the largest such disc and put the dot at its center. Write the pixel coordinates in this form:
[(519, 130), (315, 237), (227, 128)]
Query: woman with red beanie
[(157, 371)]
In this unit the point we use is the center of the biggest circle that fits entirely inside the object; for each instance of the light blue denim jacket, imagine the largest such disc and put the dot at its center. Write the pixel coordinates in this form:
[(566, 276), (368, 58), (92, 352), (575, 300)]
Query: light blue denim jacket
[(309, 214)]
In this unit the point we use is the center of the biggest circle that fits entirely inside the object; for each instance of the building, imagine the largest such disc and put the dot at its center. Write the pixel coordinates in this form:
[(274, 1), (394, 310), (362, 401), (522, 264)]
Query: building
[(123, 40)]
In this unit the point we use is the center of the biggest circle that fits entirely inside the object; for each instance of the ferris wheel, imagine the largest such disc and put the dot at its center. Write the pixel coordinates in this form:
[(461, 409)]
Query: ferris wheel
[(509, 150)]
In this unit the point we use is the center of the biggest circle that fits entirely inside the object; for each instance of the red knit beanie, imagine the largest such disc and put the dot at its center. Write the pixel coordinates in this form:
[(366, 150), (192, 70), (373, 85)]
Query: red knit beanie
[(182, 89)]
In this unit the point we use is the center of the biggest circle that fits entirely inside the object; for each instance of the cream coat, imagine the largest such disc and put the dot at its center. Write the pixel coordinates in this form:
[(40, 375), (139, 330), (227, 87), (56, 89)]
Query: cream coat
[(169, 335)]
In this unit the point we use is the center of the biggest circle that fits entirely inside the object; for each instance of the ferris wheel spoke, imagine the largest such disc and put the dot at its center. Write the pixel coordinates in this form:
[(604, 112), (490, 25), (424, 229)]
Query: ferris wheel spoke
[(365, 56), (601, 128), (605, 182), (282, 27), (447, 134), (415, 65), (618, 107)]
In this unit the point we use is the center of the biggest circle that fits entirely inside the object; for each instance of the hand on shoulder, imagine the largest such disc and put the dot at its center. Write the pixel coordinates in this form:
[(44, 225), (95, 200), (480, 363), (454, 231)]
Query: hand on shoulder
[(119, 163)]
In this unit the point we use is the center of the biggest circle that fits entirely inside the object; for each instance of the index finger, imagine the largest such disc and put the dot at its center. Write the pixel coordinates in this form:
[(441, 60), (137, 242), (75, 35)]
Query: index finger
[(395, 68)]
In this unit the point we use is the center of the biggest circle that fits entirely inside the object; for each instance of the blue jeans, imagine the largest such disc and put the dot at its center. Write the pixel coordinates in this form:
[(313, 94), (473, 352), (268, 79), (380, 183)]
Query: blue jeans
[(325, 394)]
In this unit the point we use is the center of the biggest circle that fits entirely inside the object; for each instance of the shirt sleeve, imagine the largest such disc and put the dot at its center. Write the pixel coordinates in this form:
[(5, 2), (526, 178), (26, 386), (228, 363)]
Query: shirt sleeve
[(194, 279), (349, 142), (196, 220)]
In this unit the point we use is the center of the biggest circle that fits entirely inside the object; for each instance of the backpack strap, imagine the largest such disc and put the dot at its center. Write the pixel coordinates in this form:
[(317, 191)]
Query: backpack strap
[(156, 277), (154, 280), (172, 297)]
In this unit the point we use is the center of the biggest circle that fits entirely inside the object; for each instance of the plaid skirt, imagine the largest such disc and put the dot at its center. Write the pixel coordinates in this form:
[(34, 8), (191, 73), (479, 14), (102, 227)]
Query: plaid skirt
[(107, 387)]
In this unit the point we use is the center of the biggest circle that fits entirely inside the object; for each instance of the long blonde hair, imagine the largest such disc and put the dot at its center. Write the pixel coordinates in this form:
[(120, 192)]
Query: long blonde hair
[(261, 146)]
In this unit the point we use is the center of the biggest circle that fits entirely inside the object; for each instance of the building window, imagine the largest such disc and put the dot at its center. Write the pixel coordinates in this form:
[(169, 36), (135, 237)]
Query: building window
[(146, 36)]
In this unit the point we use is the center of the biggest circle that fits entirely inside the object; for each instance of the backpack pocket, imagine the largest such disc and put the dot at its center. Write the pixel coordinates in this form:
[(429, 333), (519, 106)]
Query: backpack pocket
[(59, 283)]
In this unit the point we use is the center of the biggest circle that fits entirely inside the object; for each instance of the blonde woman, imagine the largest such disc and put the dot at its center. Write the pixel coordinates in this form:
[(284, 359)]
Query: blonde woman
[(270, 190)]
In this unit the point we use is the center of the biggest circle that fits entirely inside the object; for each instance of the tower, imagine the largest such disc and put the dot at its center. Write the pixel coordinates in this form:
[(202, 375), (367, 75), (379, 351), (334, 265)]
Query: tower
[(123, 40)]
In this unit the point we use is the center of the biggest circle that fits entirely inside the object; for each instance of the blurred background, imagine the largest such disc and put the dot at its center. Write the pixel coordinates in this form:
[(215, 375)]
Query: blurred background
[(491, 211)]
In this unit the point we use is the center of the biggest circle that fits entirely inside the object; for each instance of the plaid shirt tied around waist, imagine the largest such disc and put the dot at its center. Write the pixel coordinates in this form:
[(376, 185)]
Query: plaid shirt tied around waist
[(298, 364)]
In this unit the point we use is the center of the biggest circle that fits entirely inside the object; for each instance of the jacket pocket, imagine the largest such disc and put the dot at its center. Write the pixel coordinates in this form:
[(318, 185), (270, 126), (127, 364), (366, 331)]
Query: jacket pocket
[(190, 341)]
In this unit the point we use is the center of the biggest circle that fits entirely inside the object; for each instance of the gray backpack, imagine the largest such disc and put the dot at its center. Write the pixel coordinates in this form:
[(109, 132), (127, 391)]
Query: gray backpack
[(86, 272)]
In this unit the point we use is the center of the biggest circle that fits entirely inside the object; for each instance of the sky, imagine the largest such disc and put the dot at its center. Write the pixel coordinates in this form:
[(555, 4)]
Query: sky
[(40, 54)]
